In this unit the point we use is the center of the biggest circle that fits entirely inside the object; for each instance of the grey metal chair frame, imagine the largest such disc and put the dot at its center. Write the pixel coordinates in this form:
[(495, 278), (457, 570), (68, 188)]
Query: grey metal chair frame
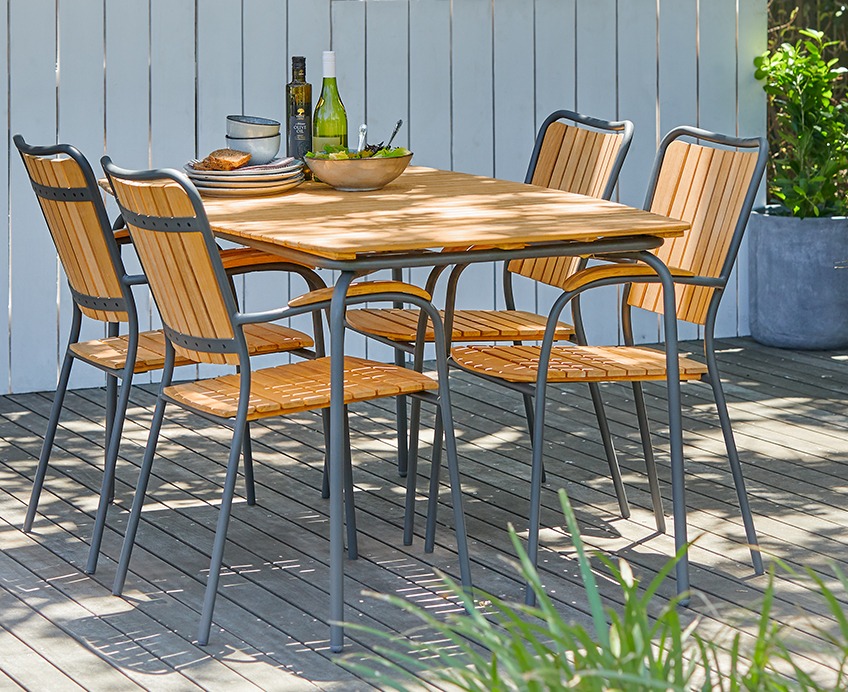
[(237, 345), (116, 406), (718, 283)]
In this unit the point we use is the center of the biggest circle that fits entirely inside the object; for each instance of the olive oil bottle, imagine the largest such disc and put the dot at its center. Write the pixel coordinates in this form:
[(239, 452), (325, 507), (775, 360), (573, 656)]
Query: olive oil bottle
[(329, 127), (298, 111)]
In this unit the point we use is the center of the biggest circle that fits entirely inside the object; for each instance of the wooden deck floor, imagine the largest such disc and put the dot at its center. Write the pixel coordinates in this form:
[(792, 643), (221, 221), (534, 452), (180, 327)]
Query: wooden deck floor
[(61, 629)]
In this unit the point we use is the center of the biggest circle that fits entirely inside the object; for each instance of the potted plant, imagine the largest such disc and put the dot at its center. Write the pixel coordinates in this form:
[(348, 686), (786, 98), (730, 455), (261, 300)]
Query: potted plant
[(799, 242)]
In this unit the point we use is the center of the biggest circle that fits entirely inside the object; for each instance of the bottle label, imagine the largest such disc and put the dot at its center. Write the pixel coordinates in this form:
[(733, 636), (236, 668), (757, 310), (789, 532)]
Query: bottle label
[(300, 134), (318, 143)]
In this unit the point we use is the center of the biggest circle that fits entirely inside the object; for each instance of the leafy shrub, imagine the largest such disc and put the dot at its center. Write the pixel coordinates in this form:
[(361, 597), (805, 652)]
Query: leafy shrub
[(496, 646), (809, 133)]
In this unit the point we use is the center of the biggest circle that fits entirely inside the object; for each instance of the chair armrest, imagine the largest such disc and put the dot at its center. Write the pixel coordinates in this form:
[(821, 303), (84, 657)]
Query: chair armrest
[(122, 236), (362, 288), (623, 272)]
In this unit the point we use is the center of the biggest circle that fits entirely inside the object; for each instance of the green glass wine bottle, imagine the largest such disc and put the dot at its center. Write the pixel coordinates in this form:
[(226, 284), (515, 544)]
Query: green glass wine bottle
[(329, 125), (298, 111)]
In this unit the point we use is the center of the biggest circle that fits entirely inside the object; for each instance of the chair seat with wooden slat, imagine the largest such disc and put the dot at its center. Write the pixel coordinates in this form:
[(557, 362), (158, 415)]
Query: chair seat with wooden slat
[(111, 353), (468, 325), (573, 363), (296, 387)]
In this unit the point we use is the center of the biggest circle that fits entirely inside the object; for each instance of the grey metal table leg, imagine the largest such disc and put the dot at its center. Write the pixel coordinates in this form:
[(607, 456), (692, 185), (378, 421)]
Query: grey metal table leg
[(336, 444), (675, 423)]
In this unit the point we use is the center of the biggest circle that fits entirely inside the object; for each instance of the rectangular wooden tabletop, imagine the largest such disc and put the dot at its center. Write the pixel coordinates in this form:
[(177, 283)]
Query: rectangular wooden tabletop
[(426, 209)]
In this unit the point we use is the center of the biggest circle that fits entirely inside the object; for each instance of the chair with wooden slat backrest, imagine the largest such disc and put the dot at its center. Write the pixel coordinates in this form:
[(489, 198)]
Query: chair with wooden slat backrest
[(177, 250), (572, 152), (710, 181), (88, 249)]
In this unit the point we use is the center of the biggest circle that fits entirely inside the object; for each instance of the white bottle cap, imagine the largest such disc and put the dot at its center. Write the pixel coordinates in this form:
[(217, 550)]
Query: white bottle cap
[(329, 63)]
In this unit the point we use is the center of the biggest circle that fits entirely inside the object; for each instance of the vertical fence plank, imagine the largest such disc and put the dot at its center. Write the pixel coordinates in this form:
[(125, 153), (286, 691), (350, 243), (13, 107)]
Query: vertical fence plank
[(597, 29), (473, 98), (717, 103), (514, 92), (637, 97), (81, 114), (555, 84), (128, 111), (5, 228), (172, 99), (34, 266), (430, 127), (678, 79), (472, 118), (266, 70), (752, 41)]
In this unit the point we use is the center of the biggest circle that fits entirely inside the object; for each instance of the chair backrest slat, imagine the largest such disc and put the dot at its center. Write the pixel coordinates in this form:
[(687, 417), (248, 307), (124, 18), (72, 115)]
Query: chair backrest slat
[(706, 186), (180, 269), (583, 156), (78, 232)]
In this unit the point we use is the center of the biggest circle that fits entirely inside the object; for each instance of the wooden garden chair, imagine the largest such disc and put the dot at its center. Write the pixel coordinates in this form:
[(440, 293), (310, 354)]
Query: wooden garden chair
[(202, 322), (101, 290), (572, 152), (710, 181)]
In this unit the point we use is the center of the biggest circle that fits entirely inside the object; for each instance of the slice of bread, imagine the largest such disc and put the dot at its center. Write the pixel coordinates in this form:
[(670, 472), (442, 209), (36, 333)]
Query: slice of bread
[(224, 160)]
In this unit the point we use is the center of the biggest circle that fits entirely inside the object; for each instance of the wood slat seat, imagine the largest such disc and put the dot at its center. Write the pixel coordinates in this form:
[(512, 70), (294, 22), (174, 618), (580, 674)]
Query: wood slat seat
[(469, 325), (112, 352), (573, 363), (302, 386), (251, 258)]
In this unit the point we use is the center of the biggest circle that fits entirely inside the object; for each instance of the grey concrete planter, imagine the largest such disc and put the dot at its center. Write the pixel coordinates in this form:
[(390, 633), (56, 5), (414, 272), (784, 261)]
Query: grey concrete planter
[(799, 281)]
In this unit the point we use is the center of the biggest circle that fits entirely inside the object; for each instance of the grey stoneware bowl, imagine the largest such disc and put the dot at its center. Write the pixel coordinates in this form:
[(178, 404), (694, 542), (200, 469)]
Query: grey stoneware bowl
[(251, 126), (261, 149)]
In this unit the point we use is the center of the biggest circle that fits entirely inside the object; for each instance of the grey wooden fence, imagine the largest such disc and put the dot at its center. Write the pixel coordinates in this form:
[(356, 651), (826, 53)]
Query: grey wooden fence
[(150, 82)]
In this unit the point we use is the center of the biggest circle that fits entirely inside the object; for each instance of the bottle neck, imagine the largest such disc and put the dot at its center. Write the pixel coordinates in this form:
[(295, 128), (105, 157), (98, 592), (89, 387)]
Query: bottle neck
[(298, 74), (329, 87)]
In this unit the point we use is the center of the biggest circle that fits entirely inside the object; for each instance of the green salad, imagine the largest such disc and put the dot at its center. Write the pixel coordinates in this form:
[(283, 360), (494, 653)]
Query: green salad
[(372, 151)]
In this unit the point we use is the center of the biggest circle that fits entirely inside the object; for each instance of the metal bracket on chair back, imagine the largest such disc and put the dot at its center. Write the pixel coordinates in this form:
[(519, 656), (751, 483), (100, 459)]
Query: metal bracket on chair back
[(62, 194), (173, 224)]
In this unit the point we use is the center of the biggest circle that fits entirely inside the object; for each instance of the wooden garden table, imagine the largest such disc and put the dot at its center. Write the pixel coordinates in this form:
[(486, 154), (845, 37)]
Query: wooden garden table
[(431, 217)]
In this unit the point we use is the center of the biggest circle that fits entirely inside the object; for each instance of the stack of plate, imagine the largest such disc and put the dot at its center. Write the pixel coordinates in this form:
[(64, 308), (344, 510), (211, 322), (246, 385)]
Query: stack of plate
[(248, 181)]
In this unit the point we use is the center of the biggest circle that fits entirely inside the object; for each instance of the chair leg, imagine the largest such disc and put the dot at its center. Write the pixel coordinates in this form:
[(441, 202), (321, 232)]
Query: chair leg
[(609, 449), (249, 486), (735, 468), (455, 486), (536, 488), (433, 496), (325, 481), (528, 414), (412, 471), (107, 488), (49, 437), (221, 531), (138, 498), (350, 507), (111, 406), (648, 450), (401, 421)]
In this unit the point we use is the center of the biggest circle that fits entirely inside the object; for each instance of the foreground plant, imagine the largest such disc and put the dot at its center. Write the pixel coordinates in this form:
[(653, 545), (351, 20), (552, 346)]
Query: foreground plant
[(498, 646)]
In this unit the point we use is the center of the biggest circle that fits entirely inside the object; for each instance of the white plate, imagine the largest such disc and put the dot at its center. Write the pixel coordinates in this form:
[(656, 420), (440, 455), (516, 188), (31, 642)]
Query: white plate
[(248, 191), (217, 181), (275, 167)]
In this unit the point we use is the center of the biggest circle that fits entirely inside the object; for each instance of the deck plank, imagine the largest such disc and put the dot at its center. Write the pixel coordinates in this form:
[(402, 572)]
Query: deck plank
[(270, 621)]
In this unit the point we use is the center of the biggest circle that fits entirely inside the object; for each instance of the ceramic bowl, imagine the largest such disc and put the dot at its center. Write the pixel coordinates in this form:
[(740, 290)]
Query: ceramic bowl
[(261, 149), (358, 175), (251, 126)]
